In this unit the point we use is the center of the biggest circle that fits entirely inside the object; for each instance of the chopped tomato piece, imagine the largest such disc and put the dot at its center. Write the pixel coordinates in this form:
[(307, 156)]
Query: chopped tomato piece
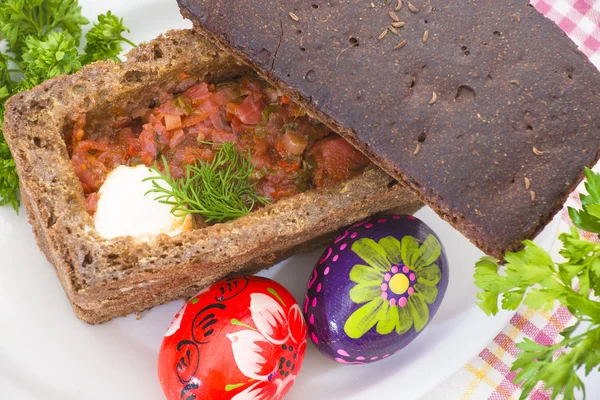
[(198, 92), (149, 149), (90, 171), (177, 138), (336, 160), (260, 161), (249, 110), (193, 119), (208, 107), (91, 203), (134, 146), (222, 137), (86, 145), (78, 132), (171, 108), (226, 94), (114, 156), (261, 146), (173, 122), (217, 121), (125, 134)]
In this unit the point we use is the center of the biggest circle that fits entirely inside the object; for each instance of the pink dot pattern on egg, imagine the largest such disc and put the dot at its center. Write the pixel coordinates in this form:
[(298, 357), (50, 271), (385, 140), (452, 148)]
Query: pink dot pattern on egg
[(311, 319), (314, 302), (326, 271), (387, 277), (342, 247), (360, 358), (335, 258), (386, 356), (368, 226), (384, 286), (339, 239), (374, 358), (306, 300), (411, 217), (341, 360), (384, 295), (412, 277), (381, 221), (392, 302), (402, 302), (405, 269), (314, 338), (354, 235), (313, 279), (410, 291), (343, 353), (394, 269), (361, 223), (396, 217), (329, 251), (319, 287)]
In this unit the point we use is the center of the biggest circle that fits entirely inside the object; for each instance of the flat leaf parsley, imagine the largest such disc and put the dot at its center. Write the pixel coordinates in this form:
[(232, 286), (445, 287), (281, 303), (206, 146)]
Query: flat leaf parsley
[(42, 41), (531, 277)]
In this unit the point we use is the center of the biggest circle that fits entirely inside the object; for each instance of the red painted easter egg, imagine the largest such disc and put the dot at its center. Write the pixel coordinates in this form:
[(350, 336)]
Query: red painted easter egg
[(241, 338)]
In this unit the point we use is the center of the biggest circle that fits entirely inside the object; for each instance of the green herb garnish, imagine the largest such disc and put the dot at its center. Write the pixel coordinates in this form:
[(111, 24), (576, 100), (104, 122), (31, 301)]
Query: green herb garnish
[(42, 39), (291, 126), (266, 113), (531, 277), (104, 41), (261, 173), (218, 191)]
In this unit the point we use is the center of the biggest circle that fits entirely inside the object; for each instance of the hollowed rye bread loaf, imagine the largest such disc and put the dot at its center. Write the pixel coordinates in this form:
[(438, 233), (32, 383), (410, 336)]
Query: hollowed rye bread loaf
[(109, 278), (460, 99)]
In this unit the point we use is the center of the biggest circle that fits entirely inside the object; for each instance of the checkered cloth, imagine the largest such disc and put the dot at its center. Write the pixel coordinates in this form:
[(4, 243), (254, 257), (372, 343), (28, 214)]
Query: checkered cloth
[(580, 19), (488, 376)]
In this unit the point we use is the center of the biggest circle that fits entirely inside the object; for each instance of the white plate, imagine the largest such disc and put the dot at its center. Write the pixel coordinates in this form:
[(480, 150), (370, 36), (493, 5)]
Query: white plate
[(46, 353)]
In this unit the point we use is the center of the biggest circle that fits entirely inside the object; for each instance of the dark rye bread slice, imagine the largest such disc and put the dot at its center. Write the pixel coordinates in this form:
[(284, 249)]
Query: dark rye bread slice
[(103, 278), (453, 105)]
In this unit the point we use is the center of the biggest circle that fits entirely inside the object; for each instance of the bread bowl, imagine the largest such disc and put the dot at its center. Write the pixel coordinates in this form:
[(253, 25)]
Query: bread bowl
[(105, 278)]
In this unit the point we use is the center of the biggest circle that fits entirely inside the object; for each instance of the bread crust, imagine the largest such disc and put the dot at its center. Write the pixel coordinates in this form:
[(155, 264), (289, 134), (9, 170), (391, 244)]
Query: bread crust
[(105, 278)]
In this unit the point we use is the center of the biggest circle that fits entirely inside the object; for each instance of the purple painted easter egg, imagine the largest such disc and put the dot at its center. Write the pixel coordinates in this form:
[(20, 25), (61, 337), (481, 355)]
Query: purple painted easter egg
[(375, 288)]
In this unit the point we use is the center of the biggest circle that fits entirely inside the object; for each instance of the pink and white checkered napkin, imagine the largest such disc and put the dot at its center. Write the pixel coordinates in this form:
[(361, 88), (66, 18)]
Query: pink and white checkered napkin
[(580, 19), (488, 376)]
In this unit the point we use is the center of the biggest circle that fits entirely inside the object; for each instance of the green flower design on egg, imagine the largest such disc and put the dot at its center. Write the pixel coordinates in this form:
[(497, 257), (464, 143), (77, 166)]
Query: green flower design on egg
[(395, 285)]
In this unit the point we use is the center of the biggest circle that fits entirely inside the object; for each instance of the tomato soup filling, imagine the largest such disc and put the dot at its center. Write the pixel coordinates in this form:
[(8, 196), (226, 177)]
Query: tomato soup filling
[(290, 151)]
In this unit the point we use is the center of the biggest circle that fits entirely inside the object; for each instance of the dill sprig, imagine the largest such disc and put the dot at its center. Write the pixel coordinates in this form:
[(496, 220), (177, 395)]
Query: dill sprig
[(218, 191)]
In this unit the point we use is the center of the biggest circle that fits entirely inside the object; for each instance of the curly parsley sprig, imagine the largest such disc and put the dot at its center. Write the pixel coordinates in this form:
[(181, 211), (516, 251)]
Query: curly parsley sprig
[(218, 191), (105, 40), (42, 39), (531, 277)]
